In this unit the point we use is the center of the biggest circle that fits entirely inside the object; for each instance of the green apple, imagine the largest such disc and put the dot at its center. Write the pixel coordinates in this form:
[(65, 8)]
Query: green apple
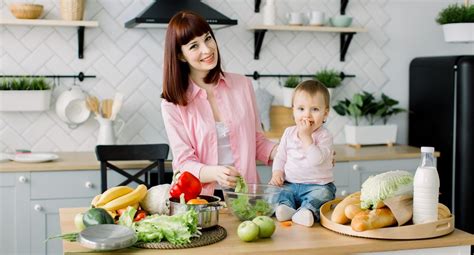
[(79, 222), (266, 226), (248, 231)]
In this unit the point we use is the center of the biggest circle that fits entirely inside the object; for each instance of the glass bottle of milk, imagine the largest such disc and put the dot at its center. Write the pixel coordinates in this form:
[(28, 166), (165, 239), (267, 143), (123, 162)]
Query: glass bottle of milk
[(426, 189)]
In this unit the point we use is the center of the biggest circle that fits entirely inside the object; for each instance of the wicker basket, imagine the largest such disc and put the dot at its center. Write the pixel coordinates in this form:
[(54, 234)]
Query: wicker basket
[(72, 9), (26, 11)]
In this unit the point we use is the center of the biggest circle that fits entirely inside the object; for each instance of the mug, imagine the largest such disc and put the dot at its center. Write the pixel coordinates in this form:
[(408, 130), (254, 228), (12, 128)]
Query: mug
[(295, 18), (316, 18), (71, 107)]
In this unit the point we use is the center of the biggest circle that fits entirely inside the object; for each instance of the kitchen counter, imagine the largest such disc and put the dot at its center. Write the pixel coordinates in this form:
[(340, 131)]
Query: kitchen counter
[(294, 239), (88, 160)]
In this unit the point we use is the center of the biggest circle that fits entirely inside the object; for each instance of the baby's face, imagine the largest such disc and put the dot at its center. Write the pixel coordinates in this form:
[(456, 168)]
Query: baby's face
[(310, 107)]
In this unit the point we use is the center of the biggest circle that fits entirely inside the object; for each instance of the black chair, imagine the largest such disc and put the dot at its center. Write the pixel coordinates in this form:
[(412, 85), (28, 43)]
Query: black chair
[(156, 153)]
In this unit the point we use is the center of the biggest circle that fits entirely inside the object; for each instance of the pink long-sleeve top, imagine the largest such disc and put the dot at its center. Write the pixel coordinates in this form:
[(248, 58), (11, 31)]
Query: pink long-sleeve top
[(192, 130), (313, 165)]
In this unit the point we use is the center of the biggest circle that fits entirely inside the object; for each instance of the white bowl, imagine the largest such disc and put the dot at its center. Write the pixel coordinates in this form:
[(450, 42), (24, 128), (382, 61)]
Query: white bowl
[(71, 106)]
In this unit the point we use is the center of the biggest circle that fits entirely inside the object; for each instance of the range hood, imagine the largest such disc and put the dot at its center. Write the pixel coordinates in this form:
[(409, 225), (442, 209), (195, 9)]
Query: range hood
[(159, 13)]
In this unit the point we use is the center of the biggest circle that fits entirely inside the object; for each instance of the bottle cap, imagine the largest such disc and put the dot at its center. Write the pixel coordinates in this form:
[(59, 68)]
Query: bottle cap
[(427, 149)]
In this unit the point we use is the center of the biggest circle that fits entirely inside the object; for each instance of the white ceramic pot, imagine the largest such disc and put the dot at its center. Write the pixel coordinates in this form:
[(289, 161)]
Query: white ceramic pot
[(71, 107), (459, 32), (25, 100), (287, 96), (366, 135)]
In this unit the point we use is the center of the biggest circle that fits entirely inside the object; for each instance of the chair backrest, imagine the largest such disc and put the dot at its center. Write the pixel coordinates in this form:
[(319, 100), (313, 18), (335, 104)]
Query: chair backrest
[(156, 153)]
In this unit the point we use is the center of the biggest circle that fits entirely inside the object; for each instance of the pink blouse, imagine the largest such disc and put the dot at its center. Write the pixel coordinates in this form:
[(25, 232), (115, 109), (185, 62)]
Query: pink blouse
[(192, 131)]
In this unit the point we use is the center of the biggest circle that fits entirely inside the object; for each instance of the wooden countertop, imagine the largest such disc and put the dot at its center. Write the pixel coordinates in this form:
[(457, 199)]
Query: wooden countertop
[(296, 239), (88, 161)]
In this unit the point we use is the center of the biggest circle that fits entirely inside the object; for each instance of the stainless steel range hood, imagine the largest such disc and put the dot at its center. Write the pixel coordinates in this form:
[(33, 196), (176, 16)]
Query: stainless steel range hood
[(159, 13)]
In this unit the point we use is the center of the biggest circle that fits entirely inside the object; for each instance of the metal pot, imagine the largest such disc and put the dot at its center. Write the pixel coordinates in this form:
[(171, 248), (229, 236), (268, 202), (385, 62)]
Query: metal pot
[(208, 214)]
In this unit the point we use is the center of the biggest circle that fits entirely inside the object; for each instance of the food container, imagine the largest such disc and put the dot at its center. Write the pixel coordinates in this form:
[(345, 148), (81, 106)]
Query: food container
[(105, 237), (208, 214)]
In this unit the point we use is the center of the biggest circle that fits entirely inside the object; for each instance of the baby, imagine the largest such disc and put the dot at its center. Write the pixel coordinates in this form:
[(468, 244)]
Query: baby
[(303, 163)]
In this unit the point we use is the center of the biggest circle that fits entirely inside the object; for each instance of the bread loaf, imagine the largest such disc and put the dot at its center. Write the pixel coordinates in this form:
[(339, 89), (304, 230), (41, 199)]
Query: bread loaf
[(352, 210), (443, 212), (338, 214), (373, 219)]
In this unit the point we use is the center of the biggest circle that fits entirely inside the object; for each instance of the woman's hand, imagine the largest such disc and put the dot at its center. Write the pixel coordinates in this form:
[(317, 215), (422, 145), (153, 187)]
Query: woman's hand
[(226, 176), (278, 178)]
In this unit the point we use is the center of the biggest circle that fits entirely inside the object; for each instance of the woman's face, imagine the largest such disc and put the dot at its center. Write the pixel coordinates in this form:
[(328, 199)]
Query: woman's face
[(200, 53)]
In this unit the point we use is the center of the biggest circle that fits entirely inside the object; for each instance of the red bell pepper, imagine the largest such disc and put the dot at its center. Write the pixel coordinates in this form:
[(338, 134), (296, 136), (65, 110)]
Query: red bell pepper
[(188, 184)]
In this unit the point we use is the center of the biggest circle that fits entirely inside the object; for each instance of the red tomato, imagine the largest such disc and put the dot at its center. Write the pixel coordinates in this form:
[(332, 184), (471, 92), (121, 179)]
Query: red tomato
[(140, 215)]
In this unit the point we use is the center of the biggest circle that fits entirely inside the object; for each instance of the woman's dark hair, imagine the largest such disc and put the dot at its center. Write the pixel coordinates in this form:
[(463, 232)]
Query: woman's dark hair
[(182, 28)]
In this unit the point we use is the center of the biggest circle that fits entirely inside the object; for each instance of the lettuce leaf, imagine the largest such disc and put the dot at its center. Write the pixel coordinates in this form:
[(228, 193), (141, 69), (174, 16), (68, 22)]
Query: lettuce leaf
[(385, 185)]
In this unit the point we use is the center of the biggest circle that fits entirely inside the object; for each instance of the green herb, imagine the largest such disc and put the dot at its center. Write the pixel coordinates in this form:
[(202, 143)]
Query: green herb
[(126, 219), (71, 237), (456, 13), (329, 77), (25, 83), (292, 81)]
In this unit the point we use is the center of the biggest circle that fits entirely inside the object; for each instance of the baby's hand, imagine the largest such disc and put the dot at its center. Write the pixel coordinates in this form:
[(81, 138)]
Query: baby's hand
[(305, 126), (278, 177)]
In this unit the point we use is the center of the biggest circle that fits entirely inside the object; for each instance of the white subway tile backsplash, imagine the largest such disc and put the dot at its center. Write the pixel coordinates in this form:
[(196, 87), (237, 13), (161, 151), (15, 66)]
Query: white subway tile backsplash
[(131, 61)]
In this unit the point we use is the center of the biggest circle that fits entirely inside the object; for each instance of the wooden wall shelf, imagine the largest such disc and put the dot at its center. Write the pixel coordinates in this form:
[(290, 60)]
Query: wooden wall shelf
[(81, 25), (346, 34)]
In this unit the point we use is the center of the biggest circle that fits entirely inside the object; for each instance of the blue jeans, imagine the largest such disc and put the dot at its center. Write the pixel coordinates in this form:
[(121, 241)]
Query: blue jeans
[(309, 196)]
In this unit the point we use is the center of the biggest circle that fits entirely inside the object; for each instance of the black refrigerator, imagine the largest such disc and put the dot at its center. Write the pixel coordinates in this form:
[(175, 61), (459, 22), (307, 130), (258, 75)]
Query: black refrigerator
[(441, 114)]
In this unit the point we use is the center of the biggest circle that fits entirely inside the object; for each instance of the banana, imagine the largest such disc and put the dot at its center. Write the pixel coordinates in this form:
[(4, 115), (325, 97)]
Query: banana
[(112, 194), (94, 200), (129, 199), (443, 212)]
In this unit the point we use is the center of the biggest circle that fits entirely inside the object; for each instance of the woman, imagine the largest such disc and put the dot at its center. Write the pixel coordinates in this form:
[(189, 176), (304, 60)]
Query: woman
[(210, 116)]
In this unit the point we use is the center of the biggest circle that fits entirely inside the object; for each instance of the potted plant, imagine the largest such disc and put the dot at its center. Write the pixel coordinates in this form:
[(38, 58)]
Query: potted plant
[(365, 106), (25, 94), (288, 88), (330, 78), (458, 22)]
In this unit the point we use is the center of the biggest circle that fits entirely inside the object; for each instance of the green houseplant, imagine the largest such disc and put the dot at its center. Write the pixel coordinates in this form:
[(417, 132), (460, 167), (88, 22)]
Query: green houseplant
[(365, 106), (288, 87), (458, 22), (25, 94), (329, 77)]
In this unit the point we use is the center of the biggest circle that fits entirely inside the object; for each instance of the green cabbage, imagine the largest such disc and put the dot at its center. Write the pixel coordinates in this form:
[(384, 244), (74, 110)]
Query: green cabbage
[(385, 185)]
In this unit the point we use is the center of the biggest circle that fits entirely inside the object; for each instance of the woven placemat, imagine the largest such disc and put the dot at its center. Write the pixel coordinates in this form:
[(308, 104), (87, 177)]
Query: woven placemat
[(209, 236)]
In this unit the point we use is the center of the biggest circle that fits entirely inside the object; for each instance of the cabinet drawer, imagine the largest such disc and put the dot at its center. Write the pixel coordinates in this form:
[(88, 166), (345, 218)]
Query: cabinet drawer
[(68, 184)]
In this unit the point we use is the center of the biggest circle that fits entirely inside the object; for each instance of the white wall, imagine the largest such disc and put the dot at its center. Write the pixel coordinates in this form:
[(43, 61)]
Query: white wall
[(130, 61)]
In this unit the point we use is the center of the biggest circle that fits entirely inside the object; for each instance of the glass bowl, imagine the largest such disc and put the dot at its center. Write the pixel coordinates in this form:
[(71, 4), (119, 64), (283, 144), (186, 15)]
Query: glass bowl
[(261, 199)]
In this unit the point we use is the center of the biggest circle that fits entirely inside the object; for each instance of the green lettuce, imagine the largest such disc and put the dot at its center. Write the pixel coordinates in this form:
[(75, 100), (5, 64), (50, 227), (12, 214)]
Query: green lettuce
[(385, 185), (176, 229), (242, 205)]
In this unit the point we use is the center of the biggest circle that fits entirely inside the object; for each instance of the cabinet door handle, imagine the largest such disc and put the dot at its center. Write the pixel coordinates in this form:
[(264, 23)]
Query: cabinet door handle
[(22, 179), (89, 185), (355, 167), (343, 192), (38, 208)]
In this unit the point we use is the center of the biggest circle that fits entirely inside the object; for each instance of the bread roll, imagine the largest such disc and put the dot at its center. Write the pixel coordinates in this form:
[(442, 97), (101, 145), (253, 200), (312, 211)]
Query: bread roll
[(443, 212), (373, 219), (338, 214), (352, 210)]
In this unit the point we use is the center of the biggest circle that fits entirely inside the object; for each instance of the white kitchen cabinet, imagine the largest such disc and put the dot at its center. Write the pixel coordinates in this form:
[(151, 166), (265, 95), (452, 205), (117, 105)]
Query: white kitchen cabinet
[(14, 220), (44, 215)]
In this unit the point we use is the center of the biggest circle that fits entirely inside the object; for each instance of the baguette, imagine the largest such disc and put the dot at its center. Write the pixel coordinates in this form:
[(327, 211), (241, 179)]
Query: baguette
[(338, 214), (352, 210), (373, 219), (443, 212)]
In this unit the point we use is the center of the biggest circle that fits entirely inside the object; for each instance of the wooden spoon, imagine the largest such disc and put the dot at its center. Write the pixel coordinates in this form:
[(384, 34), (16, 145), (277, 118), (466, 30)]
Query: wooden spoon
[(92, 104), (107, 108)]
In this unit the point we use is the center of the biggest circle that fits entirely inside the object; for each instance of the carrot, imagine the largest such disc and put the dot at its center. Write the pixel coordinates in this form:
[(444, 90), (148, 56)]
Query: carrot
[(286, 223)]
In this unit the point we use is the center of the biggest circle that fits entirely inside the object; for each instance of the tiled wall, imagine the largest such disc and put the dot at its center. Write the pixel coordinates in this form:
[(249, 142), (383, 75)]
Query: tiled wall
[(130, 61)]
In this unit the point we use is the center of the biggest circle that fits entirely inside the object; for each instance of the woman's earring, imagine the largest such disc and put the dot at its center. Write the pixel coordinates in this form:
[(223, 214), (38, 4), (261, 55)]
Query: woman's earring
[(324, 121)]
